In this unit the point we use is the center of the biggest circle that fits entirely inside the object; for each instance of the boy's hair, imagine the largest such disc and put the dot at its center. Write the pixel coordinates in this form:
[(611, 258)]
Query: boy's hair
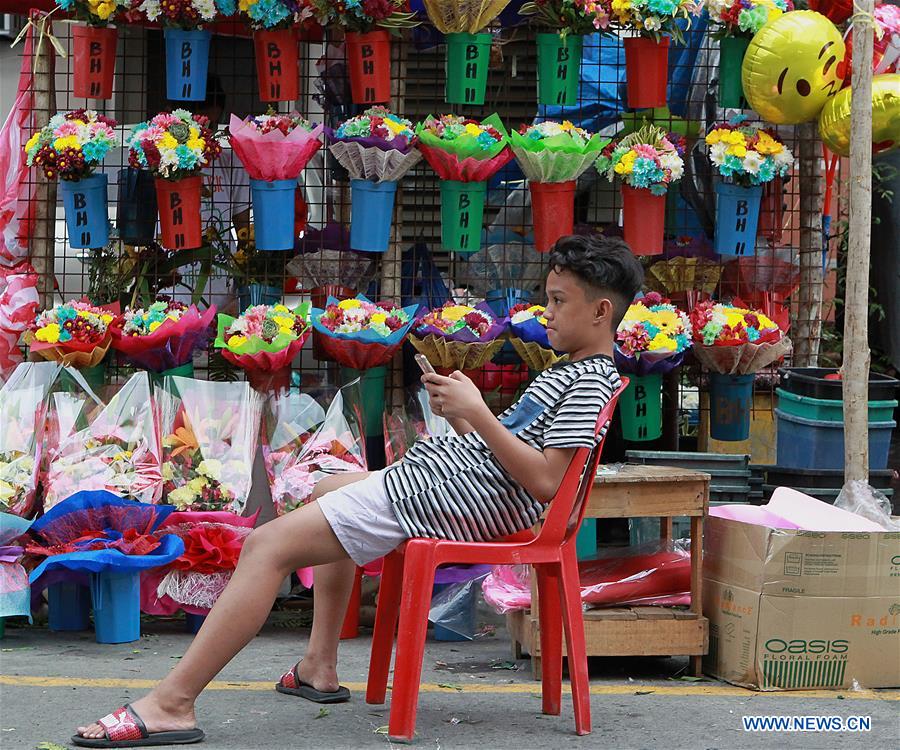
[(604, 265)]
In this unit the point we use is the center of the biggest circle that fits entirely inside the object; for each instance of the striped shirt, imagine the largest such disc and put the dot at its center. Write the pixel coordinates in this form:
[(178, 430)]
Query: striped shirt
[(454, 487)]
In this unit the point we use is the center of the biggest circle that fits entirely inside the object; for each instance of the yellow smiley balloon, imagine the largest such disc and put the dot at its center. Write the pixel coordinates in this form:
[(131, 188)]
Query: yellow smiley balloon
[(834, 122), (793, 65)]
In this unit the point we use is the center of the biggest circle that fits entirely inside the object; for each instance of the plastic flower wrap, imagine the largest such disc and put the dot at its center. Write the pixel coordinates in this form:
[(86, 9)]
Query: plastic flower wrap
[(569, 16), (274, 14), (186, 14), (162, 336), (92, 445), (745, 17), (654, 18), (72, 145), (458, 336), (265, 338), (528, 327), (746, 155), (735, 340), (652, 337), (682, 274), (75, 334), (274, 146), (15, 591), (463, 16), (649, 158), (555, 152), (364, 15), (463, 149), (94, 12), (209, 432), (361, 334), (23, 411), (173, 145), (376, 145)]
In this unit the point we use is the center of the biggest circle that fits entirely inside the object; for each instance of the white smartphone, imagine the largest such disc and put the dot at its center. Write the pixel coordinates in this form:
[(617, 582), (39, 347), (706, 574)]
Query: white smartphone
[(424, 364)]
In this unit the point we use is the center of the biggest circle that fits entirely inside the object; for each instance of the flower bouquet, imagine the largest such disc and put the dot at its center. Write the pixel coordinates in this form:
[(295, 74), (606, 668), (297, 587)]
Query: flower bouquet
[(162, 337), (175, 147), (367, 25), (690, 279), (210, 431), (528, 329), (263, 342), (648, 161), (274, 149), (559, 51), (187, 43), (647, 53), (15, 591), (650, 341), (553, 156), (747, 158), (734, 343), (111, 540), (468, 47), (93, 46), (70, 147), (465, 154), (459, 337), (736, 22), (377, 149), (111, 446)]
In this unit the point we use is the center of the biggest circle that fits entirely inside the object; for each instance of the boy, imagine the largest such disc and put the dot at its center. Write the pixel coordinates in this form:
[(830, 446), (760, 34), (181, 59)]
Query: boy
[(490, 481)]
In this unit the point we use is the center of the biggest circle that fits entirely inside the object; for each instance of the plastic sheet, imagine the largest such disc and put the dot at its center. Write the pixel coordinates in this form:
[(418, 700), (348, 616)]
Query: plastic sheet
[(416, 421), (860, 498), (15, 591), (453, 606)]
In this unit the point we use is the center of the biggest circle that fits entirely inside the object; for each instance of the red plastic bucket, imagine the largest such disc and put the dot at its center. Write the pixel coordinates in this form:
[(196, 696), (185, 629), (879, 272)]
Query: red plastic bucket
[(94, 53), (179, 212), (369, 61), (277, 70), (644, 220), (771, 211), (553, 212), (646, 72)]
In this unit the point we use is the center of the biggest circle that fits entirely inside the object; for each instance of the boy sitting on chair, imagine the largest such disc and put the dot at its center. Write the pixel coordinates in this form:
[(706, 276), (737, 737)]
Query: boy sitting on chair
[(490, 481)]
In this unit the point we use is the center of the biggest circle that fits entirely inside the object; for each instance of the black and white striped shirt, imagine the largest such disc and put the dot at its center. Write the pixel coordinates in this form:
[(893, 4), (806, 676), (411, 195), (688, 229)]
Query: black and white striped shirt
[(454, 488)]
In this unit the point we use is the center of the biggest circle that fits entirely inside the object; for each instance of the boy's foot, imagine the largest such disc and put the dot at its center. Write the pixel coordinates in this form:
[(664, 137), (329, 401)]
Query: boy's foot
[(316, 687), (140, 724)]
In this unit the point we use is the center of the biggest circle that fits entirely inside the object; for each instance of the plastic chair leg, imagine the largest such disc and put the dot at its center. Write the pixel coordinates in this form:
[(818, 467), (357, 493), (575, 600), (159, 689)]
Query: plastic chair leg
[(350, 628), (550, 615), (573, 622), (386, 614)]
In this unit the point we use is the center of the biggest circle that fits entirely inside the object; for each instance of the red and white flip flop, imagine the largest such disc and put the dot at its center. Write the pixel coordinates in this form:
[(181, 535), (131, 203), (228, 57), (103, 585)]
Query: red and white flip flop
[(291, 684), (124, 728)]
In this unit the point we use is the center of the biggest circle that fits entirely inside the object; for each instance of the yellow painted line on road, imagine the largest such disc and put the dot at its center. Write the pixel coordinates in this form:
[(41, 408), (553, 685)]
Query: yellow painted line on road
[(691, 689)]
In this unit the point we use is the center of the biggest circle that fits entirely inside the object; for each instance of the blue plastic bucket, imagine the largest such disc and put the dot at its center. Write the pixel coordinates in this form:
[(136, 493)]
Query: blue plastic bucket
[(819, 444), (737, 214), (187, 63), (730, 406), (371, 215), (117, 607), (136, 213), (258, 294), (193, 623), (86, 212), (441, 633), (273, 213), (69, 606)]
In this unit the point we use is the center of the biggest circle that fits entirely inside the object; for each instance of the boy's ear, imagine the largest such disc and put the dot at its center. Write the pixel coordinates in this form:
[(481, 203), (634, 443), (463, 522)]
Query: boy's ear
[(603, 308)]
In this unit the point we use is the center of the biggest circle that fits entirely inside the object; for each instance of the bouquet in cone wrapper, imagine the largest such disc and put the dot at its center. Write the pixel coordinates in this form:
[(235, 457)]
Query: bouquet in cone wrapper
[(681, 274), (463, 149), (377, 145), (555, 152), (458, 336), (734, 340), (463, 16), (274, 146), (75, 334), (528, 327), (652, 337)]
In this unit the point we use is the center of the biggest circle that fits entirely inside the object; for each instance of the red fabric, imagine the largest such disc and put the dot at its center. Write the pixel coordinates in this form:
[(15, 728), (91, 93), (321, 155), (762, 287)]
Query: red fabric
[(121, 726), (626, 579), (210, 549), (131, 543)]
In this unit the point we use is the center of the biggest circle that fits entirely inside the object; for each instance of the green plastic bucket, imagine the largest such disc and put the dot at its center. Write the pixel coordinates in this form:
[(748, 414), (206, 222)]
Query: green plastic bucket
[(182, 371), (829, 410), (731, 59), (640, 406), (462, 214), (559, 68), (468, 58), (371, 390)]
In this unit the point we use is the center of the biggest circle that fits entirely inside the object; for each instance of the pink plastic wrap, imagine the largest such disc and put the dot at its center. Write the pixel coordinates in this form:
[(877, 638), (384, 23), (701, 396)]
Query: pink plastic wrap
[(448, 166), (273, 155), (169, 346), (267, 362)]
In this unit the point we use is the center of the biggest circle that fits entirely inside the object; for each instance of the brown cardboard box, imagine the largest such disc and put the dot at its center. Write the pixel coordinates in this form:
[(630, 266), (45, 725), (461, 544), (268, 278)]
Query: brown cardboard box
[(794, 610)]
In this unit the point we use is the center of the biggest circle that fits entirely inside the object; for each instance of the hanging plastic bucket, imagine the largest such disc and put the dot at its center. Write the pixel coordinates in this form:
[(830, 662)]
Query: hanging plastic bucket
[(94, 61), (193, 623), (117, 607), (277, 68), (771, 211), (136, 211), (559, 68), (730, 406), (187, 64), (371, 390), (369, 61), (273, 213), (371, 214), (641, 408), (737, 214), (462, 213), (182, 371), (552, 211), (731, 59), (68, 607), (258, 294), (87, 221), (468, 60), (643, 220), (179, 212), (646, 72)]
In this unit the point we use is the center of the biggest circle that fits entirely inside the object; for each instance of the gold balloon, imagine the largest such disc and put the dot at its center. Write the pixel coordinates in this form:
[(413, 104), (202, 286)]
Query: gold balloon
[(834, 122), (793, 65)]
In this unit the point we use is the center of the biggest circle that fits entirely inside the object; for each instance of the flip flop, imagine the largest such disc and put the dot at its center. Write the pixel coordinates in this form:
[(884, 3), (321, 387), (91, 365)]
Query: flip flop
[(291, 684), (124, 728)]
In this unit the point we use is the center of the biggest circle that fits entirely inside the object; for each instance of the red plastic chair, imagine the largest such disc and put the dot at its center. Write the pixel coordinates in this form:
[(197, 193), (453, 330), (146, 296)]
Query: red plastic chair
[(408, 578)]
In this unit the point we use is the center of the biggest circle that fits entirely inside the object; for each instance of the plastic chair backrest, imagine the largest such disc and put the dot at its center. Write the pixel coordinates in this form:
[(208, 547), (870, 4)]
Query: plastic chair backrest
[(567, 506)]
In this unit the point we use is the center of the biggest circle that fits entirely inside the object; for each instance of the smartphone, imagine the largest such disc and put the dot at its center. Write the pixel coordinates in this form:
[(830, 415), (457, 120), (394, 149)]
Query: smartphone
[(424, 364)]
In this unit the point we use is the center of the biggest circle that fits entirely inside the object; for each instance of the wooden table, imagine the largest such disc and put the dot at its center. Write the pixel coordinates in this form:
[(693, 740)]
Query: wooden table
[(638, 491)]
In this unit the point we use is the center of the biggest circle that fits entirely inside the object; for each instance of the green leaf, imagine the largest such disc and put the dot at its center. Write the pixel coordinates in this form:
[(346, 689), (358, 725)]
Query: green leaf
[(323, 712), (49, 746), (449, 686), (380, 730)]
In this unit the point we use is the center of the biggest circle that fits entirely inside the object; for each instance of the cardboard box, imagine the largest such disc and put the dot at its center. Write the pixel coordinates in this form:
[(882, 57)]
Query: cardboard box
[(799, 610)]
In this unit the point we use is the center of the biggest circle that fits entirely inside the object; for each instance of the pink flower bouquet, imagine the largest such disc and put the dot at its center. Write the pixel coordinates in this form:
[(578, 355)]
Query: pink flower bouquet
[(276, 146)]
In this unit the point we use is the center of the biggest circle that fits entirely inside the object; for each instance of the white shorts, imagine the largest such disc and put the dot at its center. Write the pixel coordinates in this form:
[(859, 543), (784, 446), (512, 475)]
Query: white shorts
[(362, 518)]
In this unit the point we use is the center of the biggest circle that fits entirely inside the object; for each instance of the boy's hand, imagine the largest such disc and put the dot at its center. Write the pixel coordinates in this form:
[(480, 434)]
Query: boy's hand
[(454, 397)]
